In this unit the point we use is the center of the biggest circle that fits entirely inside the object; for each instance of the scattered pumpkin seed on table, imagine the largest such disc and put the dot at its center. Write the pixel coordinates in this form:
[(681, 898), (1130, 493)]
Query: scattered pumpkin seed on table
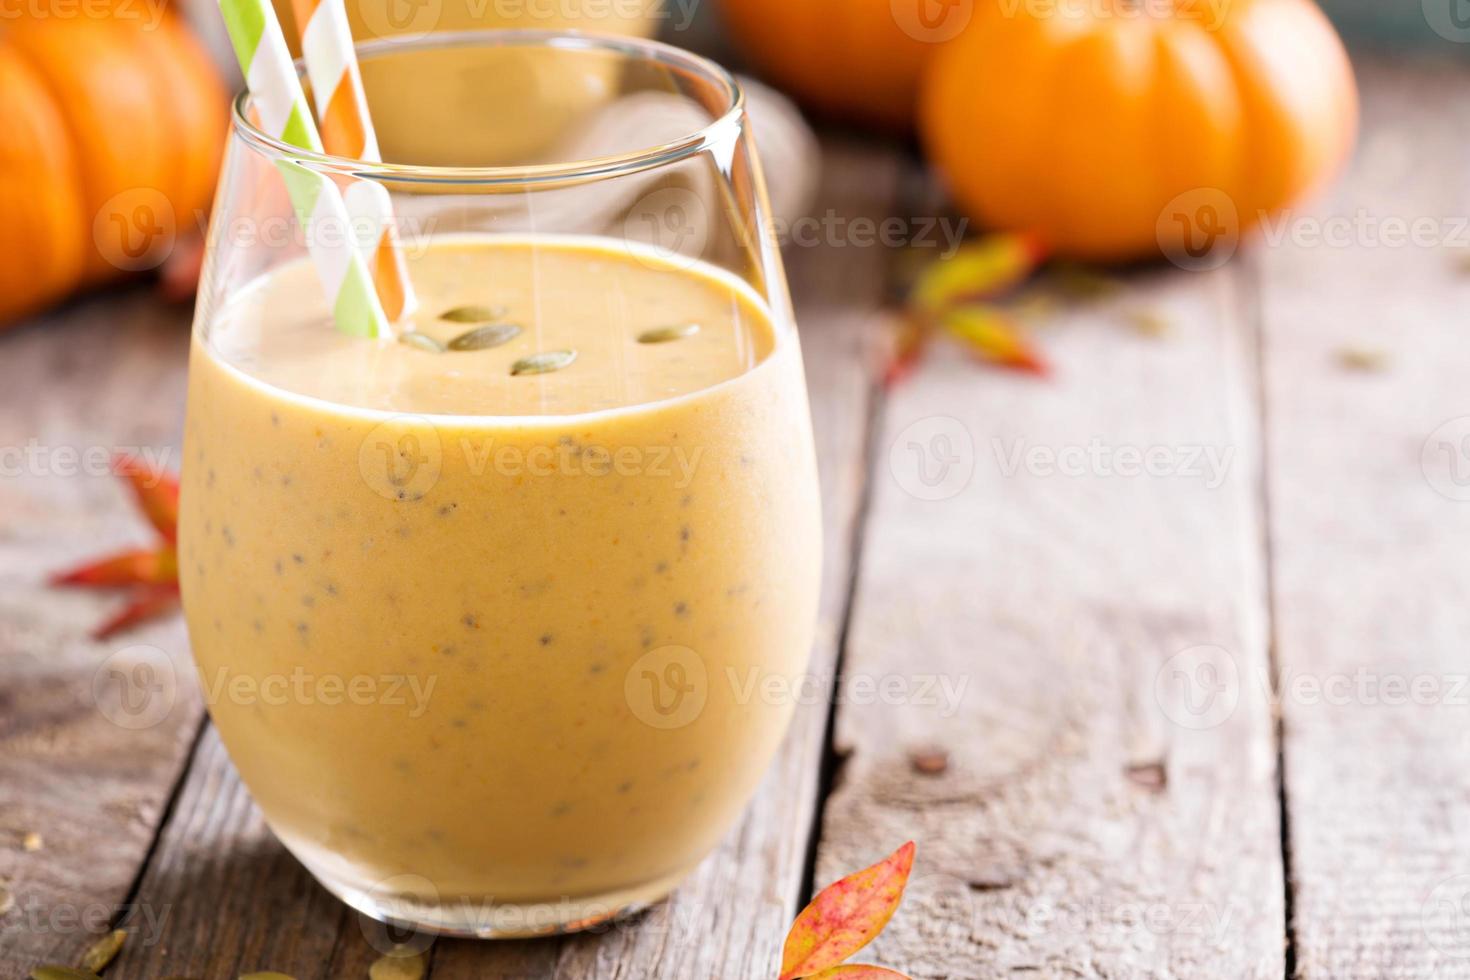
[(32, 841), (397, 965), (1150, 323), (100, 953), (53, 972), (1362, 359)]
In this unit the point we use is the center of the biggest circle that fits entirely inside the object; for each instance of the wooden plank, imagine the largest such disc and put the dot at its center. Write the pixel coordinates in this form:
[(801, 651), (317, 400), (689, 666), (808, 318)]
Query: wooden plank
[(1368, 530), (87, 769), (238, 902), (1043, 614)]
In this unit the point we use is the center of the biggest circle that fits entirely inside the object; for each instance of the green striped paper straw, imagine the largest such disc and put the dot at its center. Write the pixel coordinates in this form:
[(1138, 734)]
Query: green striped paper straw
[(280, 107)]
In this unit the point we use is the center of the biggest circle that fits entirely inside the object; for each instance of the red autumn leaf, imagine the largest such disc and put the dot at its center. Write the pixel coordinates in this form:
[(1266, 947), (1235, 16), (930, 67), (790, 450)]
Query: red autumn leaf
[(858, 971), (846, 916), (150, 574), (147, 601), (908, 344), (146, 565)]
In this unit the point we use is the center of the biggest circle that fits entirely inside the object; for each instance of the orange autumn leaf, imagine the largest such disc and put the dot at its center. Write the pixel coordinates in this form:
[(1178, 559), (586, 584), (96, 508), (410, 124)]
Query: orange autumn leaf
[(995, 336), (846, 916), (150, 574), (858, 971)]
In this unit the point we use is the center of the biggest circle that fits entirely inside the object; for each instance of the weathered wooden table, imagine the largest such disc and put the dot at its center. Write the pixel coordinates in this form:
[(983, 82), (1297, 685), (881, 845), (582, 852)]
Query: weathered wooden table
[(1189, 621)]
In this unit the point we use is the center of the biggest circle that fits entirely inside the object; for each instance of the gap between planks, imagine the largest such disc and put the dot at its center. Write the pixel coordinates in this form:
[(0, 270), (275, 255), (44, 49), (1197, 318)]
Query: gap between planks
[(1084, 791)]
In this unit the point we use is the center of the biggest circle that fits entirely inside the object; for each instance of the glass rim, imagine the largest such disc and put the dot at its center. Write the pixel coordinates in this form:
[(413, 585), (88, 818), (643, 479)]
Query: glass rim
[(564, 172)]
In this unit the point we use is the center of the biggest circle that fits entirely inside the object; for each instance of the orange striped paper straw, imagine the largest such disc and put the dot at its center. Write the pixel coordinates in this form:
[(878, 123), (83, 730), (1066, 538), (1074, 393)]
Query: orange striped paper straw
[(347, 131)]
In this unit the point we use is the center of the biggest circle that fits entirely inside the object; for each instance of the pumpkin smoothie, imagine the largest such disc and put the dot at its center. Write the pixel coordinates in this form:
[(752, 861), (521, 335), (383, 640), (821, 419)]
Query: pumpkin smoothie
[(477, 613)]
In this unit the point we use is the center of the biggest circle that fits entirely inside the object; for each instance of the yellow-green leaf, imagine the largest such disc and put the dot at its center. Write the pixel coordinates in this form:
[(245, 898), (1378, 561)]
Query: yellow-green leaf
[(978, 270), (994, 335), (846, 916)]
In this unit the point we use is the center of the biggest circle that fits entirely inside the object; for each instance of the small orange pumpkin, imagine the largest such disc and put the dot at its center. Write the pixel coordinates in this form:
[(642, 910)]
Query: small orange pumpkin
[(124, 122), (860, 59), (1084, 121), (42, 236)]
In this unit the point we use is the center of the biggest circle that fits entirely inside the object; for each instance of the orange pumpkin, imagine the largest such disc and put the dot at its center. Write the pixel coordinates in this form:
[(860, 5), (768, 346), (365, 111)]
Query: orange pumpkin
[(860, 59), (1088, 121), (124, 122), (42, 235)]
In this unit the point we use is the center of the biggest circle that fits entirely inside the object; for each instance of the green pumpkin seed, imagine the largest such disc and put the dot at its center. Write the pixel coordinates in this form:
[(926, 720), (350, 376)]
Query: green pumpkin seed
[(1150, 323), (422, 341), (399, 964), (100, 953), (473, 314), (481, 338), (662, 335), (544, 362), (53, 972)]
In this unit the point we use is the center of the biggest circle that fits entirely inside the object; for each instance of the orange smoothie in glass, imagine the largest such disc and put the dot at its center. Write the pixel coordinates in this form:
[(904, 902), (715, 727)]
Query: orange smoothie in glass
[(479, 625)]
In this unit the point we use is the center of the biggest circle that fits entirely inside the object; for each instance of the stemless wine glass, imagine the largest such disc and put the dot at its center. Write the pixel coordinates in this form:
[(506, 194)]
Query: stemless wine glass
[(490, 615)]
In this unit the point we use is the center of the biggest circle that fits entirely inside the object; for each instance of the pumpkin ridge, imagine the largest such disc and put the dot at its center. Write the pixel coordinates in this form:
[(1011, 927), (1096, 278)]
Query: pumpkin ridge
[(1248, 140), (40, 235), (74, 175)]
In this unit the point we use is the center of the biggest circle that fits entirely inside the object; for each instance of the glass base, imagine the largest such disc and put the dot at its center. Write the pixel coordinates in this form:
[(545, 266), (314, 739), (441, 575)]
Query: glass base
[(400, 905)]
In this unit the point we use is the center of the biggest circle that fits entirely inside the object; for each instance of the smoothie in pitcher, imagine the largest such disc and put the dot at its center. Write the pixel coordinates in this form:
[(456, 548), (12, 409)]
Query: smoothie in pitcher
[(497, 618)]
